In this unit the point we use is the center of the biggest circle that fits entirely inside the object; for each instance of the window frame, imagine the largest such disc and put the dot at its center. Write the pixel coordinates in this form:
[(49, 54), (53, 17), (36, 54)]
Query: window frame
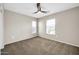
[(34, 31), (53, 26)]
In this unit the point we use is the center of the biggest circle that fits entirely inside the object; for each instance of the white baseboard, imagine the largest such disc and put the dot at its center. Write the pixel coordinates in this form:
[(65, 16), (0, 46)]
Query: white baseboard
[(24, 38), (59, 41)]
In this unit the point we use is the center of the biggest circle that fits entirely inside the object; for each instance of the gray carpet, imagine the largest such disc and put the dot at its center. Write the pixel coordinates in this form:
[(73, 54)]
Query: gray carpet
[(39, 46)]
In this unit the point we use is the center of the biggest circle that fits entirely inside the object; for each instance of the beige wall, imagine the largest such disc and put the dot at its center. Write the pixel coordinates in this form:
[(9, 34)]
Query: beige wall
[(1, 27), (17, 27), (67, 27)]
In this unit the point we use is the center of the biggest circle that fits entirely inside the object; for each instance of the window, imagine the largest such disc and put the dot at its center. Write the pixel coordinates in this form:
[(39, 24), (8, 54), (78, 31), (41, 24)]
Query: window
[(33, 26), (50, 26)]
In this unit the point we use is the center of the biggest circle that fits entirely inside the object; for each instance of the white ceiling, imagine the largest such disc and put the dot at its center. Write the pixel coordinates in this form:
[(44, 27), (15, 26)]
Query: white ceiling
[(29, 8)]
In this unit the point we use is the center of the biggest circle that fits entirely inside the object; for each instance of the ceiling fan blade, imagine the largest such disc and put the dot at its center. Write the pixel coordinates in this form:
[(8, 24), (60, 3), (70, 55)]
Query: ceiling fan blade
[(36, 12), (38, 8), (44, 11)]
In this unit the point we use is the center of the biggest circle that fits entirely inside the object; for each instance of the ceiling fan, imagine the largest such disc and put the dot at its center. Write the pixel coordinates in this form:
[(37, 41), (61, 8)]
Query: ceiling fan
[(39, 9)]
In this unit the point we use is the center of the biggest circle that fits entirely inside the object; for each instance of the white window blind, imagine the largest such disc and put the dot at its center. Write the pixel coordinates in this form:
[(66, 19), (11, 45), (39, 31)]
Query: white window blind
[(50, 26), (33, 26)]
